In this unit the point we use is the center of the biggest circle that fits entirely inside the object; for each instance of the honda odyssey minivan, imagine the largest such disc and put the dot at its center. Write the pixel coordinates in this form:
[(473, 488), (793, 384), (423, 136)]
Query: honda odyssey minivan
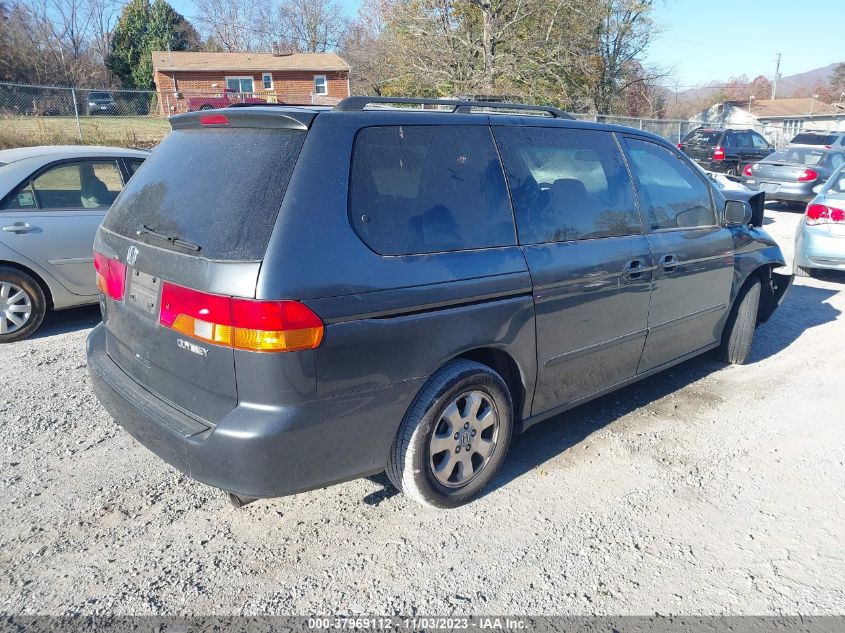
[(362, 289)]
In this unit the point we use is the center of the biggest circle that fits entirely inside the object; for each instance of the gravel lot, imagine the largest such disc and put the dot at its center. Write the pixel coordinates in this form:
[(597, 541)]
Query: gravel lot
[(703, 490)]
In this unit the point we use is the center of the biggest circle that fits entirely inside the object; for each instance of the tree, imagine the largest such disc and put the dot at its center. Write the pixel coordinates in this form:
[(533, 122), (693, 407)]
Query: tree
[(142, 28), (232, 25), (310, 26)]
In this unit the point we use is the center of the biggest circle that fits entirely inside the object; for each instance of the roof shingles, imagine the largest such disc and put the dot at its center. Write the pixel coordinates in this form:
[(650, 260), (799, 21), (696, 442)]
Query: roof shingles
[(196, 61)]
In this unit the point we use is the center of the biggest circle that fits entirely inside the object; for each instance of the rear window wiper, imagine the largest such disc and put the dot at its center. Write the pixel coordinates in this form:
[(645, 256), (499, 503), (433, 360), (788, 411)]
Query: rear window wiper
[(172, 239)]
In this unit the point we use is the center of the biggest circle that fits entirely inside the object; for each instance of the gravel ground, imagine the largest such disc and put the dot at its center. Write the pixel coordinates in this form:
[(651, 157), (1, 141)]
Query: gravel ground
[(703, 490)]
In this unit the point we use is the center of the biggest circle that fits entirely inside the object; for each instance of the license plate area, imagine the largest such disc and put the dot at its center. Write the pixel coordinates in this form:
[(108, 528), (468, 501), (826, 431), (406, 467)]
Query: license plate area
[(143, 294), (769, 187)]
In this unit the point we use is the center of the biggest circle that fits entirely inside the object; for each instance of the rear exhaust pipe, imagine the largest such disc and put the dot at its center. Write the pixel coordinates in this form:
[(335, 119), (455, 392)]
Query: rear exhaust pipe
[(239, 501)]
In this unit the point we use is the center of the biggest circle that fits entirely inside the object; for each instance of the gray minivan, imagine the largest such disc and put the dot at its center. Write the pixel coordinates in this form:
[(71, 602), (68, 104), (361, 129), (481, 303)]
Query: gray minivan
[(366, 288)]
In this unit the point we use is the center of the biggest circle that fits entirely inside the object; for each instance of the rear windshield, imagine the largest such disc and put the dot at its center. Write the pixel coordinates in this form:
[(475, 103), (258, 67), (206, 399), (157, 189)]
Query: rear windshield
[(798, 155), (99, 95), (814, 139), (706, 137), (220, 189)]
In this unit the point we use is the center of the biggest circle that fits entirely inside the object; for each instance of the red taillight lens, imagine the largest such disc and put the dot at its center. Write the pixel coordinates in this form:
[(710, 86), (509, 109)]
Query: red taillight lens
[(807, 175), (747, 171), (214, 119), (111, 276), (718, 153), (821, 214), (261, 326), (681, 146)]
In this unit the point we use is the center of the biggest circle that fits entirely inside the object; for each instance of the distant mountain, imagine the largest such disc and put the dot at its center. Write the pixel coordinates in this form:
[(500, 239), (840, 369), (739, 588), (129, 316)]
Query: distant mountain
[(788, 86)]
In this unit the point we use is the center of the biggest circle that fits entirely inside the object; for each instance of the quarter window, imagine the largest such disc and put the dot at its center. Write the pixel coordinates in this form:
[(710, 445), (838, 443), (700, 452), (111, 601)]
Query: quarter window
[(423, 189), (567, 184), (321, 87), (671, 194)]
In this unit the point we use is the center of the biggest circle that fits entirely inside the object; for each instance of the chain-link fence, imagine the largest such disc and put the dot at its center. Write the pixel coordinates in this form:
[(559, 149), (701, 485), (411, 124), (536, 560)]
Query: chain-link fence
[(39, 115)]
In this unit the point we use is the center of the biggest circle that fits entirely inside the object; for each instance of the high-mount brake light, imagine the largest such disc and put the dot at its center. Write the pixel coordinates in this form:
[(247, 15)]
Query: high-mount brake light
[(718, 153), (214, 119), (111, 276), (823, 214), (259, 326)]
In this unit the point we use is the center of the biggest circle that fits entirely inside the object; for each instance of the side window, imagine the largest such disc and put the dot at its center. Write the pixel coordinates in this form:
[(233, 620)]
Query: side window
[(730, 140), (78, 185), (671, 194), (759, 141), (567, 184), (427, 189), (21, 198)]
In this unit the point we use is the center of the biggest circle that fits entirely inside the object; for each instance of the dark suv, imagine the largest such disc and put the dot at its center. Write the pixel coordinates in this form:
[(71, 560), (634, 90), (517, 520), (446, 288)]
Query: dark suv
[(725, 151), (352, 290)]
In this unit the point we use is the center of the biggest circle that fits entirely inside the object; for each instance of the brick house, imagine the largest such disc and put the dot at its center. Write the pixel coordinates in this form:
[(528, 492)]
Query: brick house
[(321, 78)]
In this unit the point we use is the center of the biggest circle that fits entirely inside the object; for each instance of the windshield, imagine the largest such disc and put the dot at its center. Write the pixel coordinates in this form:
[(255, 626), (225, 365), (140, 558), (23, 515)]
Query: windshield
[(797, 155), (218, 189)]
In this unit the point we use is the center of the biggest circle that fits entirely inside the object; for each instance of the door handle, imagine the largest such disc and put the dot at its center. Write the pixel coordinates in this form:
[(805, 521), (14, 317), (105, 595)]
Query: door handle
[(20, 228), (633, 269), (669, 263)]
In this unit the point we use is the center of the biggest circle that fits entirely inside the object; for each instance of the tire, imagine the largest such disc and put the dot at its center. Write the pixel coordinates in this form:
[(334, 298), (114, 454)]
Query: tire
[(732, 171), (472, 392), (738, 334), (21, 299)]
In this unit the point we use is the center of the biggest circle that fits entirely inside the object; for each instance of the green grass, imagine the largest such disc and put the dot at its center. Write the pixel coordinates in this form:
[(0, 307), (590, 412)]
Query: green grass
[(47, 130)]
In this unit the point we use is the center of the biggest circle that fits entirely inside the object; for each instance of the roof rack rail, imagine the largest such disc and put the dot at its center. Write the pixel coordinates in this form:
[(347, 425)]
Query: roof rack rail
[(352, 104)]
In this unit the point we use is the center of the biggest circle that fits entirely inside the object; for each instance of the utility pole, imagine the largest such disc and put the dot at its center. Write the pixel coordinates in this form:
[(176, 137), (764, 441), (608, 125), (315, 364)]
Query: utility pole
[(777, 75)]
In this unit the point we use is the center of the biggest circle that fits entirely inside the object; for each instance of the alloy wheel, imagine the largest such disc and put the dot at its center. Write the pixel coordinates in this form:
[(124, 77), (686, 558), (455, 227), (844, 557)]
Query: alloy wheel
[(15, 307)]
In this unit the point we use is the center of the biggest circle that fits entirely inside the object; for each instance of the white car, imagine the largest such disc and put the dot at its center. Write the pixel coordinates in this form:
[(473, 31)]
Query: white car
[(52, 199)]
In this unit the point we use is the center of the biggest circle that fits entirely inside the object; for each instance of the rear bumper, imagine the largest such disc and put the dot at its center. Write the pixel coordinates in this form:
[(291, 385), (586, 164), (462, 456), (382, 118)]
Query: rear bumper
[(257, 451), (817, 248), (793, 192)]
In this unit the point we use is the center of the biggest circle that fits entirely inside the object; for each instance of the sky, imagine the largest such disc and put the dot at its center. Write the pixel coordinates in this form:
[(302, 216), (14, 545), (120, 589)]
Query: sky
[(699, 41)]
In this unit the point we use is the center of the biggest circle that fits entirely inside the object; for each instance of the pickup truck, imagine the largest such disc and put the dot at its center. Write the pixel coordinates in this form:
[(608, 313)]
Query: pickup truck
[(223, 101)]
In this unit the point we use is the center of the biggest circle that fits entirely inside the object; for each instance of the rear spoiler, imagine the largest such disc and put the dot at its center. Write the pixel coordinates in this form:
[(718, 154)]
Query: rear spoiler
[(275, 117), (757, 200)]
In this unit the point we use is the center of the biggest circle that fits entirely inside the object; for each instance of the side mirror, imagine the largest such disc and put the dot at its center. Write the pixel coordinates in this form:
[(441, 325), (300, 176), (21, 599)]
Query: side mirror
[(737, 212)]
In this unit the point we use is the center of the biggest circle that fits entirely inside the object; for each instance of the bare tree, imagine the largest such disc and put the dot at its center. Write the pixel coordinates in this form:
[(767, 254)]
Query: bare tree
[(309, 26), (231, 24)]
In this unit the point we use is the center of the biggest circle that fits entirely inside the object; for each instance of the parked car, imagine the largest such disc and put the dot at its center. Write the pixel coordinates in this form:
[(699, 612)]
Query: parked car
[(268, 329), (227, 98), (829, 140), (725, 151), (101, 103), (52, 199), (791, 174), (820, 237)]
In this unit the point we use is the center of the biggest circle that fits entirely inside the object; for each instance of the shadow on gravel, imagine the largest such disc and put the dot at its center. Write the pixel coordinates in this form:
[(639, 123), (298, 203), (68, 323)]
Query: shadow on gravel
[(65, 321), (803, 308)]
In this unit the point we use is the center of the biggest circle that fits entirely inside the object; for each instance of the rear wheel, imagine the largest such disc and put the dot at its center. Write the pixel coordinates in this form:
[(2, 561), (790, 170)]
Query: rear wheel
[(742, 321), (22, 305), (454, 436)]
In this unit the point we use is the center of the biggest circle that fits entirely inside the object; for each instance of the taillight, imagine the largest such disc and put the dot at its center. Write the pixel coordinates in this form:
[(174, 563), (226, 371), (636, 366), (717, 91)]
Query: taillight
[(807, 175), (681, 146), (822, 214), (111, 276), (260, 326), (718, 153), (747, 171), (214, 119)]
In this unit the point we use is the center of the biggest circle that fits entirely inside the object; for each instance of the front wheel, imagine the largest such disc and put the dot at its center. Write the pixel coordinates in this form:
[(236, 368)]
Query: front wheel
[(454, 436), (742, 321)]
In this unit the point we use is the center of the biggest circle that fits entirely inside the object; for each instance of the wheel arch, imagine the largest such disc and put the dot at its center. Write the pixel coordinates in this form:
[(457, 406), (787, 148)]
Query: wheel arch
[(507, 367), (45, 288)]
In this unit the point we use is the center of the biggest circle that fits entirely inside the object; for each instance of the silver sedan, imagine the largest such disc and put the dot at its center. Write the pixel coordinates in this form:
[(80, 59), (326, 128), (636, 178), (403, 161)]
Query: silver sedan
[(820, 237), (52, 199)]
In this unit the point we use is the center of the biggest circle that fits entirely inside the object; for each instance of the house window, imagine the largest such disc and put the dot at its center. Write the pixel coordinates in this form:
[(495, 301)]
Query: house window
[(792, 126), (267, 78), (321, 86), (243, 85)]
